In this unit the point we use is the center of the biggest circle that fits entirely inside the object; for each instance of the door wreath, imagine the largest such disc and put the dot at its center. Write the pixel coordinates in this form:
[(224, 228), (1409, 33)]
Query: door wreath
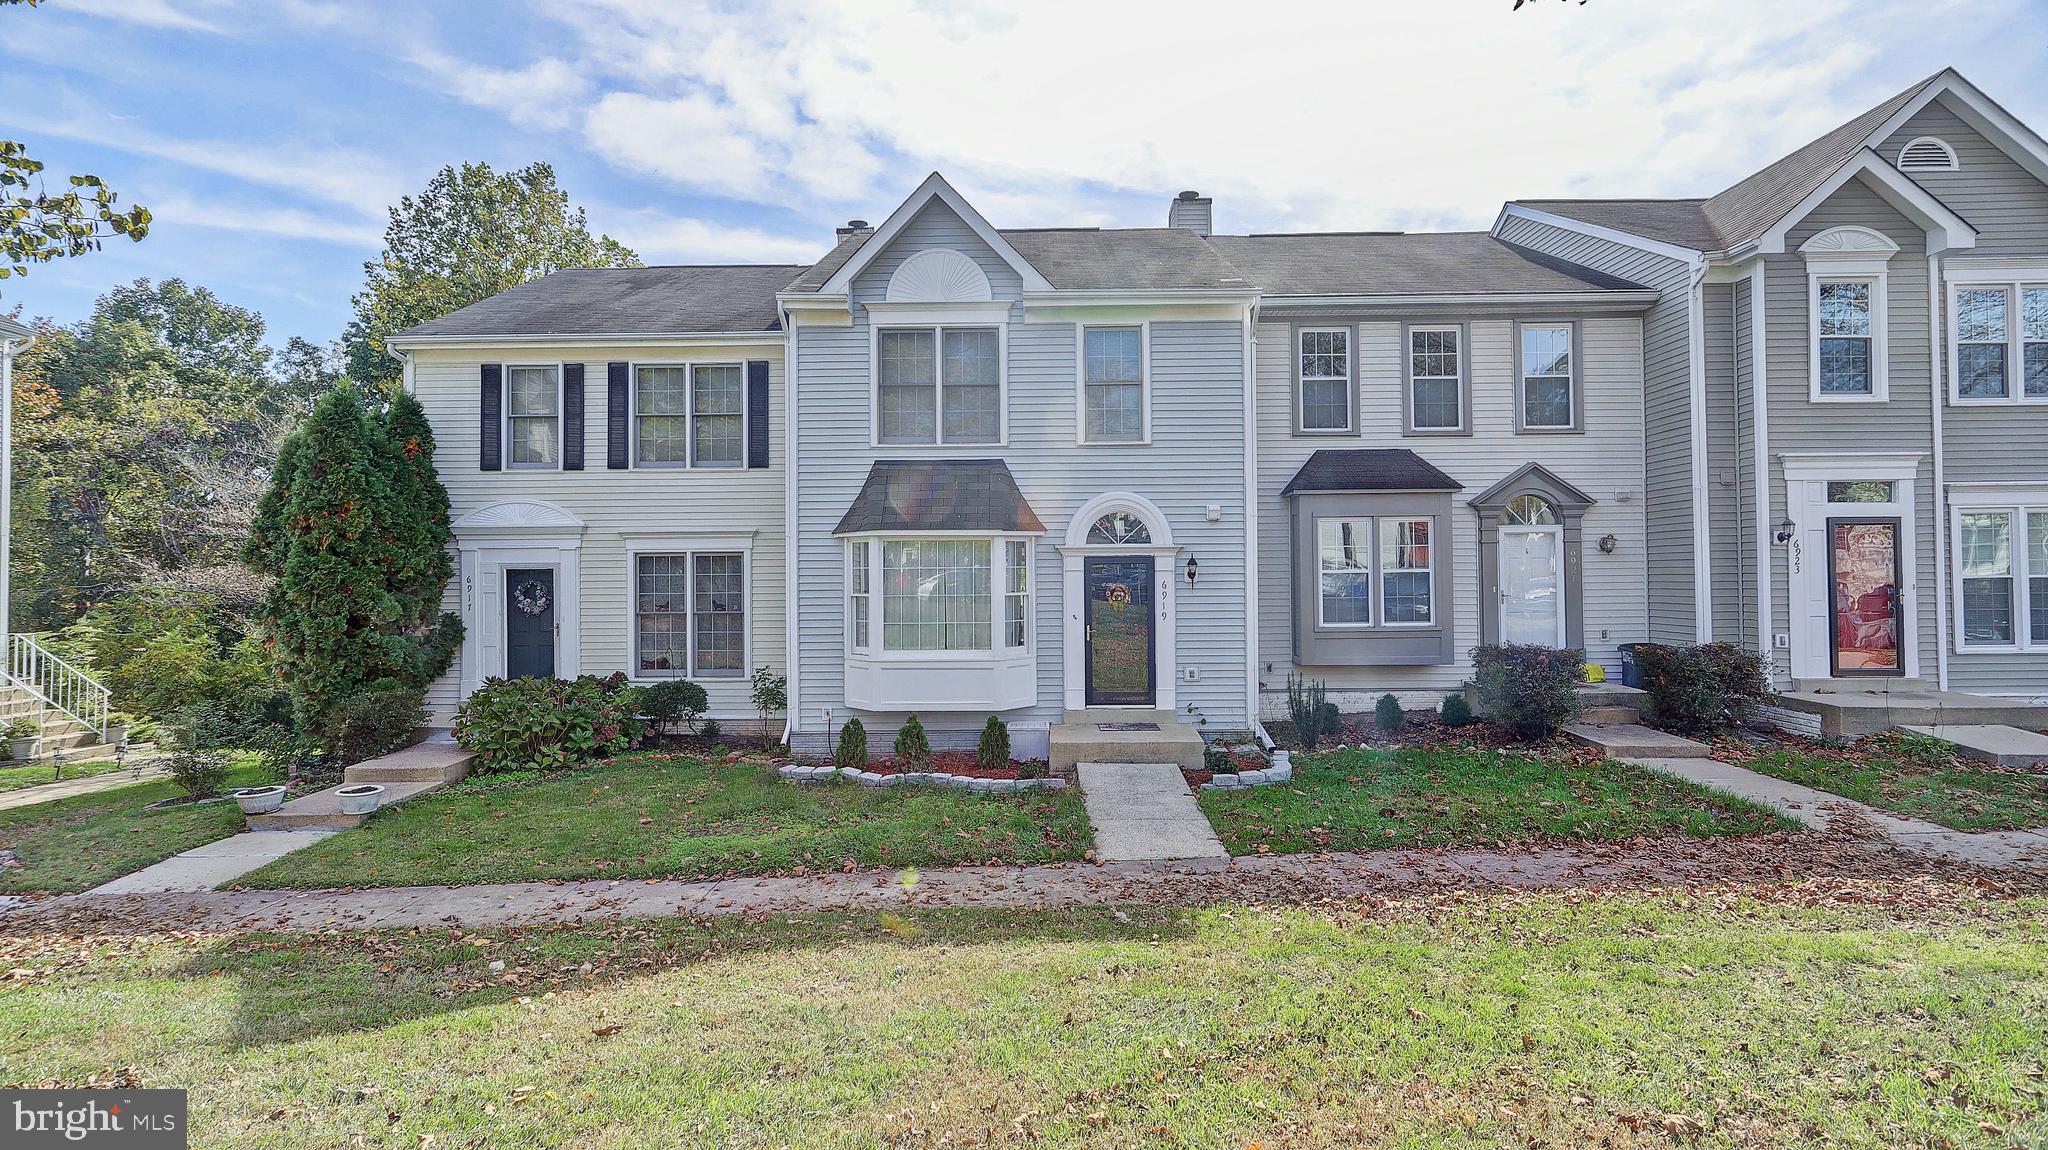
[(1116, 595), (531, 597)]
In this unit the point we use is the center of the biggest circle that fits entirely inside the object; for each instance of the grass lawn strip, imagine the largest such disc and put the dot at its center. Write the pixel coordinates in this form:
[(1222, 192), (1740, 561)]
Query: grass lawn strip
[(1469, 796), (1902, 1014), (18, 776), (664, 816), (76, 843), (1956, 793)]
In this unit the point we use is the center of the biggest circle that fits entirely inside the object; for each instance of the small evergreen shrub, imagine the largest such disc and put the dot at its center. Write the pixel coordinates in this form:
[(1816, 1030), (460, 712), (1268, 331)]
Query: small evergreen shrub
[(1304, 708), (375, 722), (913, 749), (674, 701), (852, 750), (1387, 714), (1035, 769), (1456, 711), (993, 753), (1217, 758), (548, 724), (1329, 721), (1701, 690), (710, 729), (770, 694), (1532, 691)]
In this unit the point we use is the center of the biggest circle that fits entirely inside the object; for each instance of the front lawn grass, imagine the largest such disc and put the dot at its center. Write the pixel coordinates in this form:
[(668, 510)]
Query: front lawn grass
[(649, 816), (1469, 796), (1896, 1016), (15, 776), (1956, 793), (72, 844)]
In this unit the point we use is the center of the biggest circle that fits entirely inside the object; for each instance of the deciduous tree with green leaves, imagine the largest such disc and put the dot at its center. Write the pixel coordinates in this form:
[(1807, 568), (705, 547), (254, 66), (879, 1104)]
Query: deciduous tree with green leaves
[(473, 233)]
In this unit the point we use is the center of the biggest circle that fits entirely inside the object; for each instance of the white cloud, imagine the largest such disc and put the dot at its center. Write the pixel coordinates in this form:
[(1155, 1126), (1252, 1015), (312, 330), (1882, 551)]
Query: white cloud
[(663, 239), (178, 210), (545, 93), (1340, 115), (166, 14)]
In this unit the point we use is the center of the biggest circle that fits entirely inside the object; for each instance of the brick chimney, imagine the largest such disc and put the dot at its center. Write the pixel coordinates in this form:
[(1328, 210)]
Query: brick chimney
[(1190, 210), (852, 228)]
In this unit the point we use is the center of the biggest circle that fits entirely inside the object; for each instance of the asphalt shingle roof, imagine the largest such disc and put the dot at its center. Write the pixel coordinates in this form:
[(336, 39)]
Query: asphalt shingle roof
[(939, 495), (1130, 259), (1680, 222), (1384, 263), (1368, 469), (626, 301)]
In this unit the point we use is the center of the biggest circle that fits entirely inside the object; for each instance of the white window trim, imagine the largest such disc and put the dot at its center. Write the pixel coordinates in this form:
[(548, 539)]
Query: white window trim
[(1144, 329), (1351, 372), (1574, 380), (1379, 572), (689, 463), (998, 573), (1806, 475), (505, 418), (1409, 377), (2013, 280), (1846, 271), (937, 322), (1375, 572), (857, 641), (692, 546), (2016, 504)]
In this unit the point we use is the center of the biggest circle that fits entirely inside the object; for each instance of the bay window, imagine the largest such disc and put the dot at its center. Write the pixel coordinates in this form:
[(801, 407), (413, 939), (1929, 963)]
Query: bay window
[(689, 614), (1351, 591), (938, 595), (1406, 574), (2002, 577), (1998, 338), (938, 385)]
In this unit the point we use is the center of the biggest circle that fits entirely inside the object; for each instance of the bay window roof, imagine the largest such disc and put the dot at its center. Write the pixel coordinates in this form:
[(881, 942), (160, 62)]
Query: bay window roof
[(915, 495), (1368, 469)]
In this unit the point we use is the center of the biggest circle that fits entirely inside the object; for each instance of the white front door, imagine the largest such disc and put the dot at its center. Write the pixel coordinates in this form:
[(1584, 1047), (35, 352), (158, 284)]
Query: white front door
[(1532, 586)]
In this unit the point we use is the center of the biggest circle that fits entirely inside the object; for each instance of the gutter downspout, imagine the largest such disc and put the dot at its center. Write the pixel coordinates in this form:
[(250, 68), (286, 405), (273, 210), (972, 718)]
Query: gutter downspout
[(790, 659), (1760, 448), (1251, 527), (1937, 392), (1702, 539)]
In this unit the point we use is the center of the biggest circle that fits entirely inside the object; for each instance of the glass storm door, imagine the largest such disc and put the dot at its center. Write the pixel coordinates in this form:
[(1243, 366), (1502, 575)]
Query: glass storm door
[(530, 624), (1863, 597), (1119, 632), (1531, 587)]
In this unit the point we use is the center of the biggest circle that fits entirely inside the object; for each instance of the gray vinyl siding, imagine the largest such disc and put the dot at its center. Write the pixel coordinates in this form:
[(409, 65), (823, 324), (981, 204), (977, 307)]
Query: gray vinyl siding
[(1996, 443), (1903, 423), (713, 501), (1725, 501), (1740, 624), (1605, 462), (1195, 458), (1667, 412)]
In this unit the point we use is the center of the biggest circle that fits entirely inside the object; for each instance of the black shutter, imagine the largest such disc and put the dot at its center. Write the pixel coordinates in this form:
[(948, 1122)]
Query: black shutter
[(757, 413), (572, 417), (489, 441), (615, 415)]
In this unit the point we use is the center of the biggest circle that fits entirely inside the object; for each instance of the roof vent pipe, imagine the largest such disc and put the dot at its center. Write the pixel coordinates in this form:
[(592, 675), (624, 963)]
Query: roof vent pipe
[(1190, 210)]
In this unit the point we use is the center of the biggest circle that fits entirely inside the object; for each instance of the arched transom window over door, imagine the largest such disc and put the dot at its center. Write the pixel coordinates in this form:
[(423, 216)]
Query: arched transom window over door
[(1118, 528), (1528, 511)]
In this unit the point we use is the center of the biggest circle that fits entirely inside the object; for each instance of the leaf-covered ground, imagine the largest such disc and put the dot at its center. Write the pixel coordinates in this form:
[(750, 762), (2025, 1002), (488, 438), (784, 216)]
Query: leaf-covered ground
[(1855, 1014), (85, 840), (665, 816), (1910, 777), (1462, 795)]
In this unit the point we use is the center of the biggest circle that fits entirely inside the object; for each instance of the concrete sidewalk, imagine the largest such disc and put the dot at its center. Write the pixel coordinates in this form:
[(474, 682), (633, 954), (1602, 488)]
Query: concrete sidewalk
[(91, 784), (204, 867), (1145, 812)]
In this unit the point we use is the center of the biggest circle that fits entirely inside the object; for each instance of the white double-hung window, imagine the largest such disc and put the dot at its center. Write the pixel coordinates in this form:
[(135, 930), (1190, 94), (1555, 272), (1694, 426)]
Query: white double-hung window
[(1352, 590), (938, 595), (938, 385), (1846, 338), (1113, 404), (689, 614), (2001, 558), (1436, 388), (533, 416), (689, 415), (1324, 392), (1998, 338)]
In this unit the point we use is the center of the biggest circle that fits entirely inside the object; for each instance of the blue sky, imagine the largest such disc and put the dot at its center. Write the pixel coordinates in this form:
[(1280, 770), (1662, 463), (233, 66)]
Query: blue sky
[(269, 136)]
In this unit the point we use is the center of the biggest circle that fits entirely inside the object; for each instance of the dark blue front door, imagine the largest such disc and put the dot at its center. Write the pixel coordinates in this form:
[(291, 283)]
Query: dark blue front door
[(1119, 621), (530, 624)]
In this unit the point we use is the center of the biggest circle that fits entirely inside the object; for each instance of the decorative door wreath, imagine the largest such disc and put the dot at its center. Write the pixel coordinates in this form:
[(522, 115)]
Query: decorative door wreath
[(531, 597), (1116, 595)]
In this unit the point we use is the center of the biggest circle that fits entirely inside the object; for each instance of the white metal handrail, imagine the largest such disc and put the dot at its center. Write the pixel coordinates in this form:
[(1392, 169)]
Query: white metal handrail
[(37, 670)]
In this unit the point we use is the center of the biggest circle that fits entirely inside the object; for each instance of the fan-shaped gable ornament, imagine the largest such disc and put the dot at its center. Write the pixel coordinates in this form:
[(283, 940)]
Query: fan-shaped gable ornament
[(939, 275)]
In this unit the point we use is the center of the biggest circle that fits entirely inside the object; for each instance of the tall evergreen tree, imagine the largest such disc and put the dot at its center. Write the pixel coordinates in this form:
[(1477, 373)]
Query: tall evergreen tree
[(355, 545)]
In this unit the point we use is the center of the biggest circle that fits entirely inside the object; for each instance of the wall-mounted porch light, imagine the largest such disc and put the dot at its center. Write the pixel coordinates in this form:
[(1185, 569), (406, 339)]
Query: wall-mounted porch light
[(1608, 543), (1193, 569), (1786, 530)]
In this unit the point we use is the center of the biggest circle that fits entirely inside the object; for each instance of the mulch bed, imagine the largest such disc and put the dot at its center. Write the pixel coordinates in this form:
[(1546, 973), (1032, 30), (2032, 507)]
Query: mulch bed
[(1422, 729), (963, 763)]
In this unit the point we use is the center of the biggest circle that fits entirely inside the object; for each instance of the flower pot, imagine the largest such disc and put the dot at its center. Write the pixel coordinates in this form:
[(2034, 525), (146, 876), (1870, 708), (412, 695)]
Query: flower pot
[(22, 750), (259, 800), (360, 799), (117, 734)]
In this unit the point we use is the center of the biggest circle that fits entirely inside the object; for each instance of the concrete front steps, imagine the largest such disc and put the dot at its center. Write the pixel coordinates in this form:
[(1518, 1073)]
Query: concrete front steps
[(60, 731), (1993, 743), (1635, 741), (1081, 739), (1850, 709), (1610, 704), (416, 770)]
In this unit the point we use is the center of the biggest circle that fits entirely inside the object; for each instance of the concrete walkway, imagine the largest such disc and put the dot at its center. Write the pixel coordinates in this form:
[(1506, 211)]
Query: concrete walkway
[(1830, 812), (1144, 812), (205, 867), (92, 784)]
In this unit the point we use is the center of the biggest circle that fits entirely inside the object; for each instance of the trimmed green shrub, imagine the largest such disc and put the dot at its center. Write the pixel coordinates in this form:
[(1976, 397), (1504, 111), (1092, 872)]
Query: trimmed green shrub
[(994, 751), (852, 750), (709, 730), (1329, 721), (1456, 711), (1387, 713), (547, 724), (1035, 769), (674, 701), (375, 722), (912, 747), (1701, 690), (1532, 691), (1304, 707), (1216, 757)]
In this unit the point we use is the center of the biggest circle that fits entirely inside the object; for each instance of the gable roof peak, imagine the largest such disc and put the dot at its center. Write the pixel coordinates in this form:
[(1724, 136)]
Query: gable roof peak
[(934, 187)]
